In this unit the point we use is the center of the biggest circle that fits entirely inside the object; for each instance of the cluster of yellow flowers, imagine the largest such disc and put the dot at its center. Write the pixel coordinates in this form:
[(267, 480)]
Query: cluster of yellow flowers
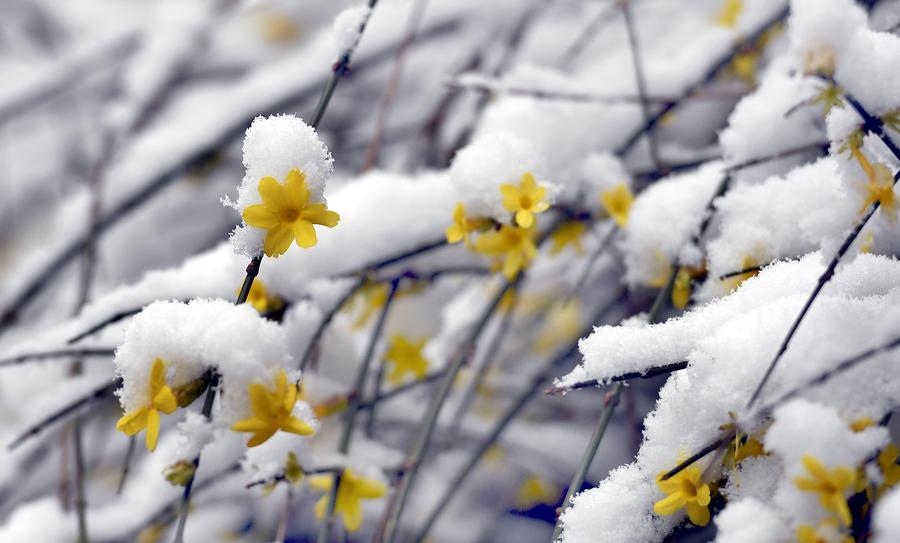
[(513, 245), (687, 490)]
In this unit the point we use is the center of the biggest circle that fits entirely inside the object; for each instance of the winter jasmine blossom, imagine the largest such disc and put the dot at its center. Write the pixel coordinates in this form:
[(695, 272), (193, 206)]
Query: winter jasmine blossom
[(524, 200), (272, 411), (287, 215), (161, 399), (617, 202), (569, 233), (728, 17), (405, 357), (829, 485), (352, 490), (463, 226), (685, 490), (513, 244)]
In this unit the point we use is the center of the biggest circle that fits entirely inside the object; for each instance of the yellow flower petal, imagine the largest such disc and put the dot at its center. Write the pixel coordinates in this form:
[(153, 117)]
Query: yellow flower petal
[(670, 504), (259, 216), (698, 514), (133, 422), (165, 400), (278, 240), (152, 430), (261, 437), (297, 191), (297, 426), (273, 193), (305, 234)]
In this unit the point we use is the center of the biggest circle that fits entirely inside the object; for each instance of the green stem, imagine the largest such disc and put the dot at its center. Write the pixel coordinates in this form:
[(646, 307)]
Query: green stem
[(356, 395), (589, 452)]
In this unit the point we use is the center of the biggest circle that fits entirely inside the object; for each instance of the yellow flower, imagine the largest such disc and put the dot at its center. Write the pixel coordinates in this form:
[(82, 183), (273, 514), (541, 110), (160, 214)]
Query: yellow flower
[(562, 324), (728, 17), (861, 424), (261, 300), (887, 460), (569, 233), (827, 532), (373, 296), (287, 214), (829, 97), (880, 188), (515, 245), (535, 491), (685, 490), (617, 203), (744, 66), (351, 491), (161, 399), (406, 357), (734, 282), (681, 289), (752, 447), (829, 485), (524, 200), (462, 226), (272, 411)]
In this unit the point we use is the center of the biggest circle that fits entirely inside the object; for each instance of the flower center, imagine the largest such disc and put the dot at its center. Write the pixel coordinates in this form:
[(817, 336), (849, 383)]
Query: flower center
[(290, 215), (525, 202), (689, 490)]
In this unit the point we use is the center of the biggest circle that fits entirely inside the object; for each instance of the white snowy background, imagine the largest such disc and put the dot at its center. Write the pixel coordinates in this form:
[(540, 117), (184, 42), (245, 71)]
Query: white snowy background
[(758, 140)]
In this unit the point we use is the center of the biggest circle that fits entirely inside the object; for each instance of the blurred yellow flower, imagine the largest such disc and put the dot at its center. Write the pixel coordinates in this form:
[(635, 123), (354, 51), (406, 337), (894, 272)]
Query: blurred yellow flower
[(569, 233), (405, 357), (829, 485), (730, 13), (272, 411), (351, 491), (617, 203), (524, 200), (513, 244)]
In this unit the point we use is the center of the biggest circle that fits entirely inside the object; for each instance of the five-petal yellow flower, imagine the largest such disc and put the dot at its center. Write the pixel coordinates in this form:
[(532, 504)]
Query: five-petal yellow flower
[(617, 203), (524, 200), (352, 490), (287, 214), (272, 411), (685, 490), (829, 485), (515, 245), (406, 357), (161, 399)]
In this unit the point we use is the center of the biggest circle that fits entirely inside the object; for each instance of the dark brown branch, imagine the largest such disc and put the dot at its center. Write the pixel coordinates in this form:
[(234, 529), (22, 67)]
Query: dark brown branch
[(65, 353), (649, 373)]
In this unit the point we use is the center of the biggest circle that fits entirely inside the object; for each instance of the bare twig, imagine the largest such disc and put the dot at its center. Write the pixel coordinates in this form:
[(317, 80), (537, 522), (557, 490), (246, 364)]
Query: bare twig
[(353, 409)]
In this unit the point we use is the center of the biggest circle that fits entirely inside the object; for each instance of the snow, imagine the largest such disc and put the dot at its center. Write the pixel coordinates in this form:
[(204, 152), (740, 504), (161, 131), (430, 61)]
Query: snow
[(750, 521), (347, 28)]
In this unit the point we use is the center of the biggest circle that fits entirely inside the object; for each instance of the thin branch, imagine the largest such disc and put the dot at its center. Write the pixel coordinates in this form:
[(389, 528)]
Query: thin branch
[(326, 320), (504, 421), (389, 526), (628, 376), (713, 72), (390, 92), (44, 278), (353, 409), (587, 34), (63, 353), (98, 394), (634, 49)]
